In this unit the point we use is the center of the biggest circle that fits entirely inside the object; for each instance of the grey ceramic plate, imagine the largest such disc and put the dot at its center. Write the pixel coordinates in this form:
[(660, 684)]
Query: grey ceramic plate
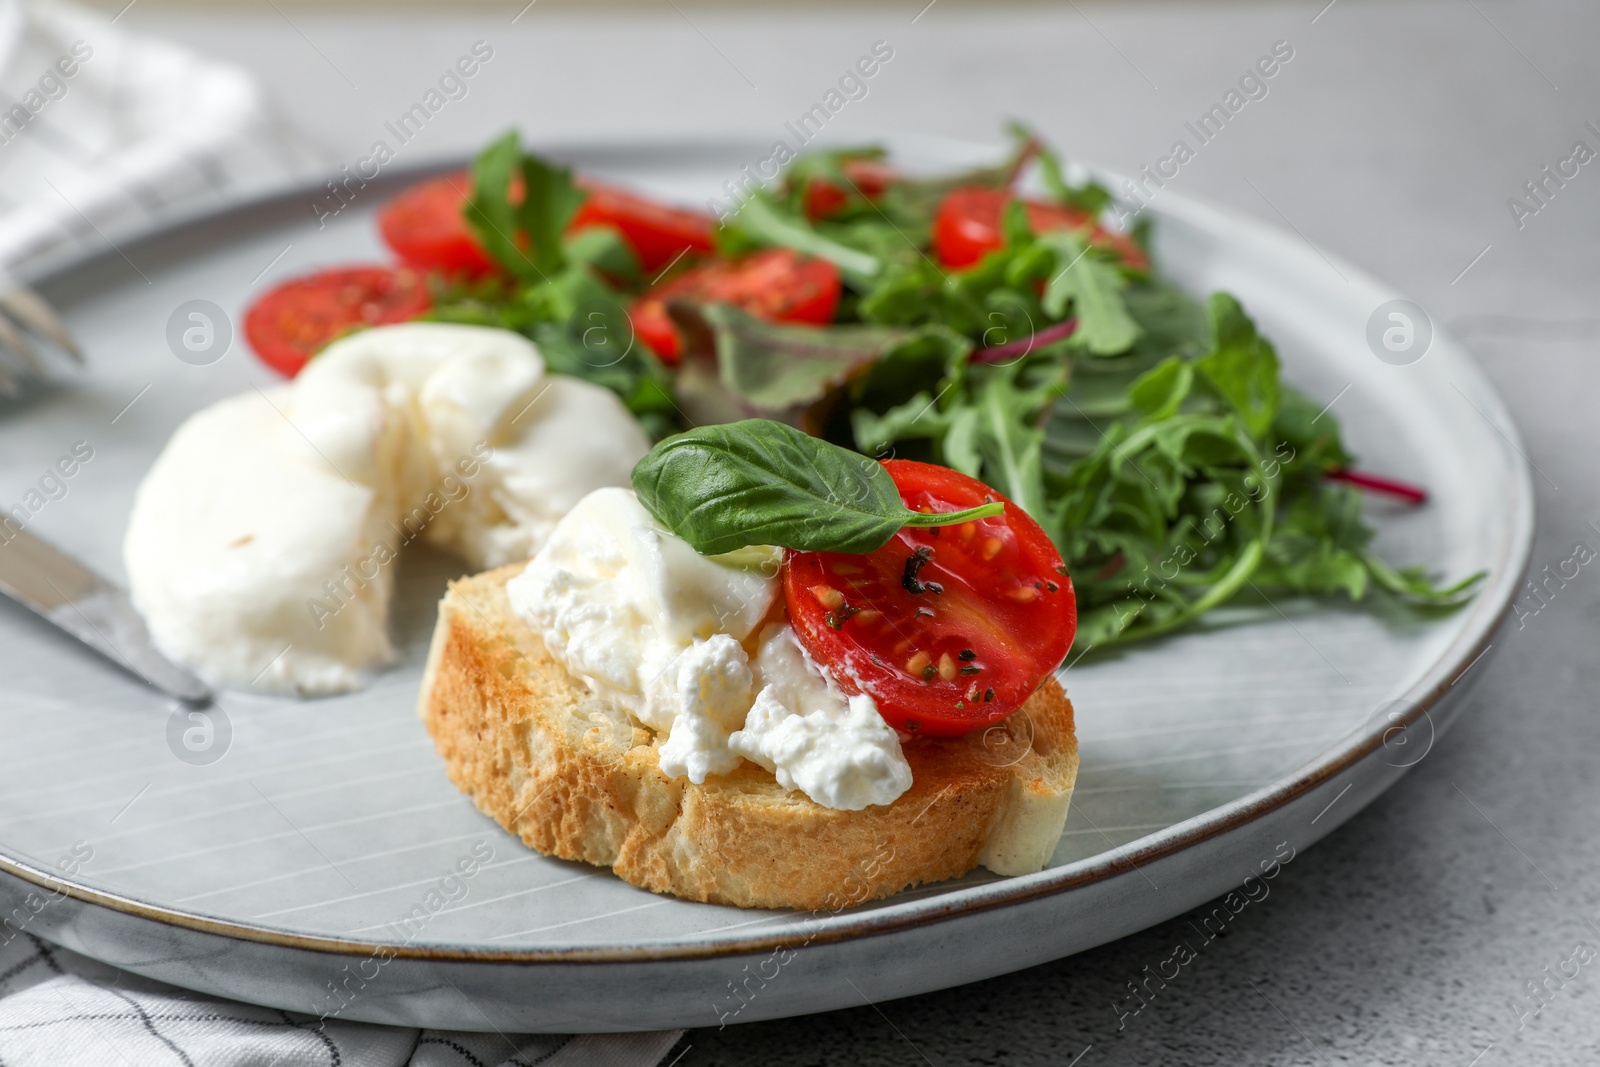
[(315, 865)]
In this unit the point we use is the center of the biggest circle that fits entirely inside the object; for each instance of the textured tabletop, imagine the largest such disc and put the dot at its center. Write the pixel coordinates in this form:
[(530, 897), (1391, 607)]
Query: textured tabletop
[(1397, 136)]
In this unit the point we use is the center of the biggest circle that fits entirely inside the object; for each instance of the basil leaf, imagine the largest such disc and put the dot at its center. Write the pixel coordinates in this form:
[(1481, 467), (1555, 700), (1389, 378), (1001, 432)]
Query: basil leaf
[(760, 482)]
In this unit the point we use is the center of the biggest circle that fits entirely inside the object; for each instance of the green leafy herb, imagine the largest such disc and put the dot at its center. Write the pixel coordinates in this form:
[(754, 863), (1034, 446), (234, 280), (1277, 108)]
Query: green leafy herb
[(1241, 366), (760, 482), (775, 367), (1090, 197), (523, 237), (1093, 289), (1157, 443), (604, 249), (762, 224)]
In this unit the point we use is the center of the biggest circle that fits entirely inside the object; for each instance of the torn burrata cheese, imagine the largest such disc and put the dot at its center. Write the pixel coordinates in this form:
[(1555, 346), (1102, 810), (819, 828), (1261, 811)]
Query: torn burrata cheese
[(677, 639), (262, 544)]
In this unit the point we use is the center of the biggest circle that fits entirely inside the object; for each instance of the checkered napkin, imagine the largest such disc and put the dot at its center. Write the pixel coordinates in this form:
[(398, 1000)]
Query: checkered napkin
[(104, 132), (59, 1009)]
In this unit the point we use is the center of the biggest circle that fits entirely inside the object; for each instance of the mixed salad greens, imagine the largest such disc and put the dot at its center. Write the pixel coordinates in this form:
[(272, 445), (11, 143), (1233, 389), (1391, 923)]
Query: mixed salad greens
[(952, 320)]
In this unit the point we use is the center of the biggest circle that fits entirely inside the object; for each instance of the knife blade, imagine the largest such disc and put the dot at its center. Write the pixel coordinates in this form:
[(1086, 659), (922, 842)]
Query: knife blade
[(91, 608)]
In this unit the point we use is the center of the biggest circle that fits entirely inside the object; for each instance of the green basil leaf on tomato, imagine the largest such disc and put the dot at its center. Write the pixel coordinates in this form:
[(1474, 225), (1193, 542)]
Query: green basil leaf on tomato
[(760, 482)]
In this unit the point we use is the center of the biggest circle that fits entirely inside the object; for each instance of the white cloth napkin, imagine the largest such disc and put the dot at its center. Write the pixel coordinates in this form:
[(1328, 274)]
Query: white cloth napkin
[(102, 133), (59, 1009)]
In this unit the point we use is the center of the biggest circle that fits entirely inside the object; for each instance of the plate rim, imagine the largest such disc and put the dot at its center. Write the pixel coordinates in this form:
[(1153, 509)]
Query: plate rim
[(1486, 611)]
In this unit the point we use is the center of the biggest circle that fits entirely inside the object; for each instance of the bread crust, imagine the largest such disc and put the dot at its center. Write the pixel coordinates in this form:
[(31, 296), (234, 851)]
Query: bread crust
[(574, 777)]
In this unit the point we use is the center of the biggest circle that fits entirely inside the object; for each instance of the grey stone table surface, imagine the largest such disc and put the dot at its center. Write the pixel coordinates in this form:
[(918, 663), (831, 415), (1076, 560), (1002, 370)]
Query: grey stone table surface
[(1396, 136)]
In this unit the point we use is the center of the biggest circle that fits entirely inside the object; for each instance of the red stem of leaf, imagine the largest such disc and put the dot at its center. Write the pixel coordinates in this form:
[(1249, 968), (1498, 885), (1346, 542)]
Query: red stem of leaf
[(1377, 483), (1013, 349), (1030, 148)]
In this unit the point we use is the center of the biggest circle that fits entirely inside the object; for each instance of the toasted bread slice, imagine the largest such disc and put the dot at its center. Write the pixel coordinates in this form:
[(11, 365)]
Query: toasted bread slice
[(575, 776)]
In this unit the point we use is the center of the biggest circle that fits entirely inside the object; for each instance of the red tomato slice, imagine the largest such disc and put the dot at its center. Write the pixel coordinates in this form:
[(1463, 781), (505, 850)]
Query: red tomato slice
[(967, 226), (658, 233), (292, 322), (870, 177), (948, 628), (776, 284), (425, 227)]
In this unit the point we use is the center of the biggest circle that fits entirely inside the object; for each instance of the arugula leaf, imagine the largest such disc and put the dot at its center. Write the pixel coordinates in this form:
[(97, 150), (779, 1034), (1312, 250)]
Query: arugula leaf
[(584, 332), (1242, 366), (916, 418), (828, 166), (759, 482), (1157, 445), (775, 366), (1093, 288), (1160, 392), (1091, 197), (604, 249), (1413, 584), (1009, 443), (525, 237), (760, 222)]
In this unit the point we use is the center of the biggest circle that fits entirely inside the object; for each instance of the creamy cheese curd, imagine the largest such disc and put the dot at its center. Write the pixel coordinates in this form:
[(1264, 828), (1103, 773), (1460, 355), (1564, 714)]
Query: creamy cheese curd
[(262, 543), (666, 633), (836, 750)]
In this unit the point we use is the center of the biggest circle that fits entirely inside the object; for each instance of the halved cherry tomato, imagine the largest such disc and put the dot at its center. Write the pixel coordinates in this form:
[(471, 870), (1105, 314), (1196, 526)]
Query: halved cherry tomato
[(948, 628), (775, 284), (658, 233), (425, 227), (293, 322), (967, 226), (870, 177)]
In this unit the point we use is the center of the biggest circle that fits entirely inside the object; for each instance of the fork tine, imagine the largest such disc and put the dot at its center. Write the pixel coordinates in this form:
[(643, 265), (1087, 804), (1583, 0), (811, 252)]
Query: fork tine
[(37, 316), (16, 342)]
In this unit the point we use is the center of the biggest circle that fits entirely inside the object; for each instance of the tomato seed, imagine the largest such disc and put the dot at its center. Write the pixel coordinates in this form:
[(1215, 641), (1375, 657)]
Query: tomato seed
[(918, 663), (914, 564), (990, 548), (947, 667), (967, 531), (828, 597), (1022, 594)]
